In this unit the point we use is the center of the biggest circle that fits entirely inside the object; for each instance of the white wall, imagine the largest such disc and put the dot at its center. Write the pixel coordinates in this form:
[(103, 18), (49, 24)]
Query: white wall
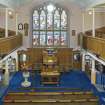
[(23, 18), (2, 17), (99, 20), (87, 21), (75, 20), (11, 21), (75, 24)]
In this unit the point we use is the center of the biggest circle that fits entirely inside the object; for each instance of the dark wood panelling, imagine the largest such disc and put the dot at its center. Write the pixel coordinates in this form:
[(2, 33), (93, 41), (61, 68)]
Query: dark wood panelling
[(64, 56)]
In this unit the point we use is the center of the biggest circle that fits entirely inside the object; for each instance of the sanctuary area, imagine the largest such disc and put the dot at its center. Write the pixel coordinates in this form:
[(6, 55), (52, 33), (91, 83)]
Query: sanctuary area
[(52, 52)]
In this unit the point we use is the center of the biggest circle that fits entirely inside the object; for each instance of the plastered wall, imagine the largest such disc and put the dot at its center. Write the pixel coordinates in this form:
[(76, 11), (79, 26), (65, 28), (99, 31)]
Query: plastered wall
[(75, 21)]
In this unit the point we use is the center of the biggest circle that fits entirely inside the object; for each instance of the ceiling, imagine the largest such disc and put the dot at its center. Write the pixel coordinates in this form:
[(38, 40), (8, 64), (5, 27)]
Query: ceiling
[(82, 3)]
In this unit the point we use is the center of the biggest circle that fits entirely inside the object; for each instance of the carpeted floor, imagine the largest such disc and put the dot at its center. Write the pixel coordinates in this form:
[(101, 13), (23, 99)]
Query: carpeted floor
[(70, 81)]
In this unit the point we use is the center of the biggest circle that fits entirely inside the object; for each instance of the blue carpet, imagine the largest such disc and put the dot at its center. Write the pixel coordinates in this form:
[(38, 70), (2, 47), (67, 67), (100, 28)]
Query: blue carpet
[(4, 89), (72, 80)]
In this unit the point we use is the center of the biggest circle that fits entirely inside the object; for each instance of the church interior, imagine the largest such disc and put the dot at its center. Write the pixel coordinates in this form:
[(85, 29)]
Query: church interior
[(52, 52)]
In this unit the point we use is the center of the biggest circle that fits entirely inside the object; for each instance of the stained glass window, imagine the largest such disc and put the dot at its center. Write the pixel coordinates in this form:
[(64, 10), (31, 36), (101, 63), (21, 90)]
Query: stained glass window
[(43, 20), (63, 20), (42, 38), (49, 38), (49, 21), (57, 38), (63, 38), (56, 20), (35, 20), (35, 38), (49, 27)]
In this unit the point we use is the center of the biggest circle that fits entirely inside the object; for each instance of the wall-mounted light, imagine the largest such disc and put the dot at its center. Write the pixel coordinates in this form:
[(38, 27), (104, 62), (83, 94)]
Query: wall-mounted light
[(10, 13), (90, 12)]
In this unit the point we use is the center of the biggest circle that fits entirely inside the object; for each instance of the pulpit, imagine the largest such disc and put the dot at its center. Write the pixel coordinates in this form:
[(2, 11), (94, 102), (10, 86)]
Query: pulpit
[(50, 70)]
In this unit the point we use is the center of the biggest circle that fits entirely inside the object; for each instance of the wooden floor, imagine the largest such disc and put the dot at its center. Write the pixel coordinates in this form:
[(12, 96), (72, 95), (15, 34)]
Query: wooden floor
[(41, 98)]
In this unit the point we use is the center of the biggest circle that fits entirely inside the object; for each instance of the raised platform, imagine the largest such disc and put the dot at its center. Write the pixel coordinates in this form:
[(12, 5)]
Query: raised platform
[(74, 81), (56, 98)]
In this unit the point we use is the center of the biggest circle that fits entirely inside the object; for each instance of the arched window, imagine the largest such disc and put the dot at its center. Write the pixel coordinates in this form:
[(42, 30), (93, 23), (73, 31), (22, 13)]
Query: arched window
[(50, 26)]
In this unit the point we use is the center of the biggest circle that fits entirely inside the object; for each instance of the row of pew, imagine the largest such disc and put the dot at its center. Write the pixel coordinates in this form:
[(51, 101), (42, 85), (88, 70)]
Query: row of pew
[(54, 98)]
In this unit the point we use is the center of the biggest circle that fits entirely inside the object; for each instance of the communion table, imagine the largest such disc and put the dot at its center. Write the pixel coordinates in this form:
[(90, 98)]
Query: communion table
[(50, 77)]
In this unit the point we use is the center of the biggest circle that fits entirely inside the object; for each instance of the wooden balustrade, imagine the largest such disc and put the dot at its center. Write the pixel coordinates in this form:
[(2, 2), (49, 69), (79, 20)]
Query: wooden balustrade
[(99, 32), (94, 45), (9, 44), (10, 33)]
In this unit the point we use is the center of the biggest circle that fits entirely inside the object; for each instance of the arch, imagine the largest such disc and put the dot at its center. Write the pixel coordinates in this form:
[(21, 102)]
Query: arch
[(50, 26)]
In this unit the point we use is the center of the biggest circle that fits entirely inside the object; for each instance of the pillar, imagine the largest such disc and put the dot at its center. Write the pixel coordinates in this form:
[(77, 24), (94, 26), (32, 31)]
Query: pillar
[(83, 61), (83, 22), (93, 72), (93, 23), (6, 22), (6, 75), (16, 23), (17, 68)]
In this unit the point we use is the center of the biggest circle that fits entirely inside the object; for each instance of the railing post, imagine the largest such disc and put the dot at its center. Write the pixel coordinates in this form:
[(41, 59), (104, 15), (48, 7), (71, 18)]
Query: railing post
[(93, 72)]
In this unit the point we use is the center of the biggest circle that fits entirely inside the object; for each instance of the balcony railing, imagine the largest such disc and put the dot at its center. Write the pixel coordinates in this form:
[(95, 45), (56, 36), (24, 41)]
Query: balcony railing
[(94, 45), (9, 44)]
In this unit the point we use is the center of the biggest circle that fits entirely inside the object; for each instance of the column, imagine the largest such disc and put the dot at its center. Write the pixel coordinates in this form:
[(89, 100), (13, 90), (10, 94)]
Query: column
[(93, 24), (83, 61), (83, 22), (6, 75), (93, 73), (6, 22), (16, 23), (17, 68)]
